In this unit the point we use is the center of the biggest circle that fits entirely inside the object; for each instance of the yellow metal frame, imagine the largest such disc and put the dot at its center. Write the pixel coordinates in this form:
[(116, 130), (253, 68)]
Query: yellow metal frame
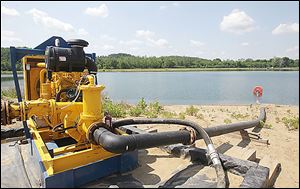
[(44, 115), (74, 155), (31, 76)]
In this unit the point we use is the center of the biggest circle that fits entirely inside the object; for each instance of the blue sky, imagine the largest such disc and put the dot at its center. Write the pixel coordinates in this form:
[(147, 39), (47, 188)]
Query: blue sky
[(227, 30)]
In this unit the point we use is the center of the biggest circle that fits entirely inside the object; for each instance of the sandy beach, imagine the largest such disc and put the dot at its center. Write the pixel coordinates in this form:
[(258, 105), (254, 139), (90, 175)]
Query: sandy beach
[(156, 165), (284, 143)]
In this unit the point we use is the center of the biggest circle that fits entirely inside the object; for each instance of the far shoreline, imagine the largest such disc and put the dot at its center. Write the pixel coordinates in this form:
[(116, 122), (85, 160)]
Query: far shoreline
[(197, 69), (185, 69)]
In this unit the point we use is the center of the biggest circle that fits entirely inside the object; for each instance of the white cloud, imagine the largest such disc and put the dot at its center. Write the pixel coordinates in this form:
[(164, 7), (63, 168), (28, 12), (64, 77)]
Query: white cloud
[(107, 47), (176, 4), (245, 44), (163, 7), (293, 49), (9, 11), (160, 42), (47, 21), (286, 28), (9, 36), (196, 43), (101, 11), (237, 22), (42, 18), (145, 34), (105, 37), (82, 32), (131, 42), (149, 36)]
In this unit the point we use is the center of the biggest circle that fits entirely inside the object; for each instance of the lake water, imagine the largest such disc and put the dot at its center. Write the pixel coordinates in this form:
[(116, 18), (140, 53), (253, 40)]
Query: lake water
[(198, 87)]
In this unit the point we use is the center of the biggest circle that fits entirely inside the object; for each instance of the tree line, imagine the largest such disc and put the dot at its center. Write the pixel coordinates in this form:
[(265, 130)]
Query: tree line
[(127, 61)]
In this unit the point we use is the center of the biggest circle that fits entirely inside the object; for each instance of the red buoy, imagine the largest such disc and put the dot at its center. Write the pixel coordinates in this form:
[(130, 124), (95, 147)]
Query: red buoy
[(258, 91)]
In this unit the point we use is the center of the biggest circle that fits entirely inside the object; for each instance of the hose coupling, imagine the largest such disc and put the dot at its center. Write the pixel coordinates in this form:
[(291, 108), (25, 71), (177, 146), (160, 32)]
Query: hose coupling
[(91, 130), (213, 154), (192, 132), (5, 111)]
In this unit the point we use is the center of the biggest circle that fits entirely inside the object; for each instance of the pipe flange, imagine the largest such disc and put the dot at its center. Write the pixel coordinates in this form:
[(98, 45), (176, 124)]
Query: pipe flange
[(92, 128), (192, 134), (5, 107)]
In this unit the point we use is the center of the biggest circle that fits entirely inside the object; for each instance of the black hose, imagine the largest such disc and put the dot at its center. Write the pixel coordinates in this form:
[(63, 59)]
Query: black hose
[(122, 143), (211, 131), (201, 133)]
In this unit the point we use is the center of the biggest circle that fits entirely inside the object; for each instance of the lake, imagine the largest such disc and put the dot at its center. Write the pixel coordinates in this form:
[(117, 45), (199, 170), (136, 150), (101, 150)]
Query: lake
[(197, 87)]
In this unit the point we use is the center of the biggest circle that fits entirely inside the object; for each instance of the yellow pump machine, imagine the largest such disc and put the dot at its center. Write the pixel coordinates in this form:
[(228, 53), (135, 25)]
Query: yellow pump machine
[(63, 118), (62, 106)]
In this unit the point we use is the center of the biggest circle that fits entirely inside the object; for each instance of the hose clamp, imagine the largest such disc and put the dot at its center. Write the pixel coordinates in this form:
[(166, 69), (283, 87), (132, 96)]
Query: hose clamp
[(213, 154), (192, 134), (91, 130)]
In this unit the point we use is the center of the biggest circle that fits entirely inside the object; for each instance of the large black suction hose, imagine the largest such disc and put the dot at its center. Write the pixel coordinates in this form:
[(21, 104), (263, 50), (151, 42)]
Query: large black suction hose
[(201, 133), (114, 143)]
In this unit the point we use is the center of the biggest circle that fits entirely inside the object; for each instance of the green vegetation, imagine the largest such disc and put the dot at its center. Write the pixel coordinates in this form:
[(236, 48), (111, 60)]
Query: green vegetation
[(239, 116), (114, 109), (268, 126), (181, 115), (5, 64), (197, 69), (168, 115), (265, 125), (9, 93), (191, 111), (135, 111), (292, 123), (227, 121), (127, 62), (153, 110), (200, 116)]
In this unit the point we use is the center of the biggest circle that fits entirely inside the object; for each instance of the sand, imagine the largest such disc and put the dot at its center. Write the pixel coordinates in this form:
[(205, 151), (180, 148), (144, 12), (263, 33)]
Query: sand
[(284, 143), (156, 165)]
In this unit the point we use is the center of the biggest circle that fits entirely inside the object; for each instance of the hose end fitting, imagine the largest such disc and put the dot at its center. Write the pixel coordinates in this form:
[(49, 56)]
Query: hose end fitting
[(213, 155), (193, 135)]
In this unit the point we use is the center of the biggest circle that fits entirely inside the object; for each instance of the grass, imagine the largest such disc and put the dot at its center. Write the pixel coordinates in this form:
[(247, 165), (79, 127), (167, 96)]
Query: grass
[(151, 110), (168, 115), (292, 123), (191, 111), (114, 109), (181, 115), (9, 93), (10, 72), (265, 125), (239, 116), (227, 121)]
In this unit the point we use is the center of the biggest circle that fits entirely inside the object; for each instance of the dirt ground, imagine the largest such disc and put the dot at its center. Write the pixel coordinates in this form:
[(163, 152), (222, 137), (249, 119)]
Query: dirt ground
[(284, 143), (156, 165)]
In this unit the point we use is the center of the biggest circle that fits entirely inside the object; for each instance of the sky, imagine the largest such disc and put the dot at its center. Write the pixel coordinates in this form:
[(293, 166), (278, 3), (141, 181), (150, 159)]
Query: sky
[(221, 29)]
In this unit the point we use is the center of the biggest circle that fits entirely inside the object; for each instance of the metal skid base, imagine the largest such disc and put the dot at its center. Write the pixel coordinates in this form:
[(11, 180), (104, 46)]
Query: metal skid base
[(79, 176)]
